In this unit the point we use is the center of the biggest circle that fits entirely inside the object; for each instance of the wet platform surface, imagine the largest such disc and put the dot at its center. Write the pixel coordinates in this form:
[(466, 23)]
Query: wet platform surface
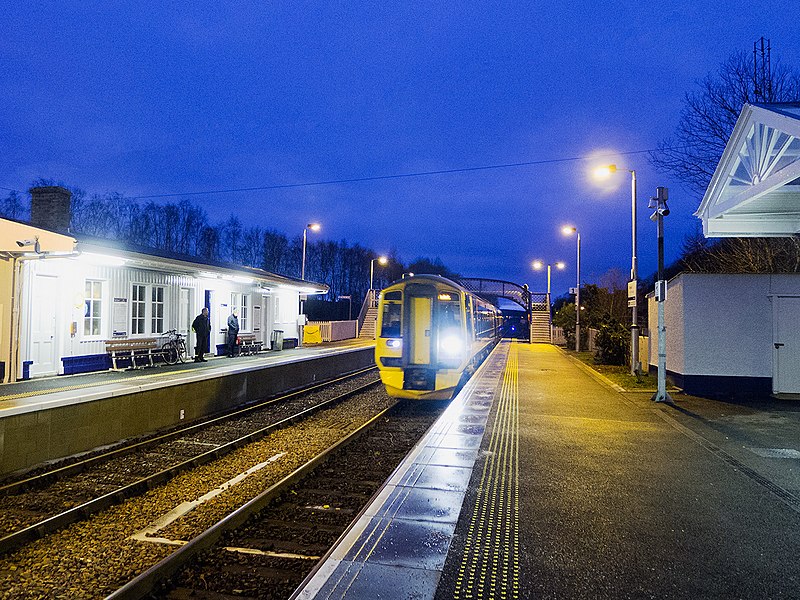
[(571, 489), (48, 392)]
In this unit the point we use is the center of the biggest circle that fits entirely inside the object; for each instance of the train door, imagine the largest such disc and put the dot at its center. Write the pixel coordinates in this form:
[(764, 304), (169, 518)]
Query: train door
[(419, 324)]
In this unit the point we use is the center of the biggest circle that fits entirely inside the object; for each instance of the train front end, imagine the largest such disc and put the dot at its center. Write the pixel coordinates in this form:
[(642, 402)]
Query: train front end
[(424, 338)]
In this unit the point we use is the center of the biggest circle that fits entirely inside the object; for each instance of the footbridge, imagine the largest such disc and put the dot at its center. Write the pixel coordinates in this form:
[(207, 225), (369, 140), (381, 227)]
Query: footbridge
[(535, 304)]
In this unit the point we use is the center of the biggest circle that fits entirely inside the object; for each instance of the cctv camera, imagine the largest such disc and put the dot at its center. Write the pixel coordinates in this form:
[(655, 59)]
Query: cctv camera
[(22, 243)]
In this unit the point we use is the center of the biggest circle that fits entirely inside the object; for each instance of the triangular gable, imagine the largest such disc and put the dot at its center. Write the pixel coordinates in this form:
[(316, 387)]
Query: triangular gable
[(755, 190)]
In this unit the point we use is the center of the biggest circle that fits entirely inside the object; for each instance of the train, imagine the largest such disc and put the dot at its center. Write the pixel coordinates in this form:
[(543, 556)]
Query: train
[(431, 335)]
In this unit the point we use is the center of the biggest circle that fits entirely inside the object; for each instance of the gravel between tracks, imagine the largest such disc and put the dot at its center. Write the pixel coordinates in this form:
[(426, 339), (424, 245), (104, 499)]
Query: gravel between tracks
[(27, 507), (93, 558)]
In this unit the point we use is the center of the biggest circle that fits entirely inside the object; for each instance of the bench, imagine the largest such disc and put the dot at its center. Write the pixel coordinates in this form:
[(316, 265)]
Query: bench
[(133, 350), (248, 344)]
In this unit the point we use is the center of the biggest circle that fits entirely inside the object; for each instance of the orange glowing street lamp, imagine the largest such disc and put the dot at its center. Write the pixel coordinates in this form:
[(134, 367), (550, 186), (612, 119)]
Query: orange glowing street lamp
[(602, 173), (312, 227), (538, 265), (382, 260)]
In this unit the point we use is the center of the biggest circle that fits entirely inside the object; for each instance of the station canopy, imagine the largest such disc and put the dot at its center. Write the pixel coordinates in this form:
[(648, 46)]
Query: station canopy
[(755, 190)]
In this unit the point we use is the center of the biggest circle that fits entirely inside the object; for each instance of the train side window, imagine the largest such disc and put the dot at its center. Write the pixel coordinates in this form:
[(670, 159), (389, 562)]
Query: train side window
[(390, 320), (470, 322), (393, 296), (449, 315)]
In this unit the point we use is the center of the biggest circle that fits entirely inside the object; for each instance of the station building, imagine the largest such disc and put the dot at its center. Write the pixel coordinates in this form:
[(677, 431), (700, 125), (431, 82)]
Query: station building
[(63, 295), (737, 334)]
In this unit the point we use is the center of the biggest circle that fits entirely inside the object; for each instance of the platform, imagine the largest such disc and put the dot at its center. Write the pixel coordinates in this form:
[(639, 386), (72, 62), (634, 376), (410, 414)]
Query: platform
[(541, 480), (47, 418)]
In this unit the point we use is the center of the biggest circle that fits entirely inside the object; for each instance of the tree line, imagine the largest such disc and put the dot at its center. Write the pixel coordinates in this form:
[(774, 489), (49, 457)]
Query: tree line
[(184, 228)]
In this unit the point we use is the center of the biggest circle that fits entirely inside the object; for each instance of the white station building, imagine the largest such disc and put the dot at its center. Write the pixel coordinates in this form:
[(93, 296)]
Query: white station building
[(63, 295), (729, 334)]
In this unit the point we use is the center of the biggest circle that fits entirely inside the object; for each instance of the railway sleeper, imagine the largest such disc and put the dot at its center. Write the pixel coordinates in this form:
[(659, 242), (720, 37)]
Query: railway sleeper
[(289, 546)]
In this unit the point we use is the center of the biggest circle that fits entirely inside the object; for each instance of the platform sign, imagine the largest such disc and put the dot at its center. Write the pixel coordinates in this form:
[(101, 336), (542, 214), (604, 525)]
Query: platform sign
[(573, 291), (119, 317), (632, 289)]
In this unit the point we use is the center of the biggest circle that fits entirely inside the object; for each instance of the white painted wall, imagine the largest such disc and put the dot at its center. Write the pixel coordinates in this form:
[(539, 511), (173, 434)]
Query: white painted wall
[(720, 324), (68, 302)]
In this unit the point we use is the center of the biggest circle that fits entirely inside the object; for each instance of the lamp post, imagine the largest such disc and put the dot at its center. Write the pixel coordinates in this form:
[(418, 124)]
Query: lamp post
[(312, 227), (633, 295), (538, 265), (382, 260), (568, 230)]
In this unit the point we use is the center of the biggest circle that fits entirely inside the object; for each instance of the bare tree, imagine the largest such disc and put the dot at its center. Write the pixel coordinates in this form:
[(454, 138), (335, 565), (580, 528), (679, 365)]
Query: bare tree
[(709, 114), (274, 247), (13, 207)]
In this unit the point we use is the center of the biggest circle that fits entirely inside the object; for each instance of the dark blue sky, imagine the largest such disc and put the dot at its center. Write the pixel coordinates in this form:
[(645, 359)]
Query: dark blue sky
[(161, 97)]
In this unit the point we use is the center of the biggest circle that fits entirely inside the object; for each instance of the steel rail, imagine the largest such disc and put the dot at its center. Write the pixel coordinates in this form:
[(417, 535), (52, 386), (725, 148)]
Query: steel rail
[(145, 583), (50, 525), (80, 466)]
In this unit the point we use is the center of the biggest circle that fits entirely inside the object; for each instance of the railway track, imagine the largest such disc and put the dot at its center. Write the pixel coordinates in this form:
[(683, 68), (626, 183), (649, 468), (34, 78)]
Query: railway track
[(41, 504), (267, 547), (96, 556)]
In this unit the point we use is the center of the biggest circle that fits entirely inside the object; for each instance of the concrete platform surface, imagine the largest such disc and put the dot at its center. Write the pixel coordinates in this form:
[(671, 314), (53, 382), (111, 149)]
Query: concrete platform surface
[(48, 392), (580, 491), (48, 419)]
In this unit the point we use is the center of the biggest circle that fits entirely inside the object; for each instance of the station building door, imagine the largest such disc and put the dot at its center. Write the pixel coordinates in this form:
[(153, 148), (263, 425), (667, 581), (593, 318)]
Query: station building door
[(185, 317), (43, 325), (786, 374)]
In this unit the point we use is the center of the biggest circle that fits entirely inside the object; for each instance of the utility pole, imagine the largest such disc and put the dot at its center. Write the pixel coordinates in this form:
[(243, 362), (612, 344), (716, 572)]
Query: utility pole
[(659, 203)]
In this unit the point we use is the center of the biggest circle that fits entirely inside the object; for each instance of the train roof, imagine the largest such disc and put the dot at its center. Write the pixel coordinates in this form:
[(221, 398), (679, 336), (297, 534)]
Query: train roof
[(436, 279)]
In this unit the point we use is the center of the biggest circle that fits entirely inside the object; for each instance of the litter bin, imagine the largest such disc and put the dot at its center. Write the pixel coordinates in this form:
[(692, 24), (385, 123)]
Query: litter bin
[(277, 339)]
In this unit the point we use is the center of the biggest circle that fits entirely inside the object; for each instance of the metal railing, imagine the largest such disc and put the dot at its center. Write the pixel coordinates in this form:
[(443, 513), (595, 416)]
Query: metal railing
[(370, 301)]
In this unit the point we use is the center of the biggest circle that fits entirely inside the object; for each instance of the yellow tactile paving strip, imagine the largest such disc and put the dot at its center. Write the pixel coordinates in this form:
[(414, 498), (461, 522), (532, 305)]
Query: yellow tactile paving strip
[(490, 563)]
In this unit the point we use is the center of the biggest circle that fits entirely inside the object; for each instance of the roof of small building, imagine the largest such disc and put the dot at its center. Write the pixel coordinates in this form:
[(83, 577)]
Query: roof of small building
[(154, 258), (755, 189)]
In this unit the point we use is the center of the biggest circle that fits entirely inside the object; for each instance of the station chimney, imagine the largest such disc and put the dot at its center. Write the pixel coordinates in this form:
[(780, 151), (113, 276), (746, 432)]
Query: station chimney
[(51, 208)]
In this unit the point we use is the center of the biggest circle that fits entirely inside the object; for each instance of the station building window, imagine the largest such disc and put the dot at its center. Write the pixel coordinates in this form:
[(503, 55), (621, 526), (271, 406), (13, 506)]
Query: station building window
[(244, 316), (93, 308), (157, 309), (147, 304), (138, 307), (241, 302)]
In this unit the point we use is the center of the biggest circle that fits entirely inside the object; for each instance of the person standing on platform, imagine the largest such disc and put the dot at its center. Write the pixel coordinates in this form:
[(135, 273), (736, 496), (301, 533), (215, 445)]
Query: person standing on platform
[(233, 331), (202, 329)]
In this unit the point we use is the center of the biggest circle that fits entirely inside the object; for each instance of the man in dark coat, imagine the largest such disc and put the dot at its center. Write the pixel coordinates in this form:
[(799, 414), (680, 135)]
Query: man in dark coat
[(202, 328), (233, 331)]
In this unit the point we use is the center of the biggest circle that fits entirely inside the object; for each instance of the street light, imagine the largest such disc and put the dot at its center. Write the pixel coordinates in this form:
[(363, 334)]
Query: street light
[(312, 227), (569, 230), (382, 260), (538, 265), (633, 295)]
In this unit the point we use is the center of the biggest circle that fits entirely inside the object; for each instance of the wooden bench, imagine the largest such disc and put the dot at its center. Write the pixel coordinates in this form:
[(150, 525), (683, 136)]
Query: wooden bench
[(133, 350), (248, 344)]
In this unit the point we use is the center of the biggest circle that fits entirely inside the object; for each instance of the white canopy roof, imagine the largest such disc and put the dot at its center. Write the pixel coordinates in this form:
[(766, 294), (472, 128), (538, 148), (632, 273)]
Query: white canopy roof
[(755, 190)]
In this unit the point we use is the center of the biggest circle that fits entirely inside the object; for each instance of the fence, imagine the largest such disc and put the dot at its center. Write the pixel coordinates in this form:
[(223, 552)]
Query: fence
[(589, 346), (333, 331)]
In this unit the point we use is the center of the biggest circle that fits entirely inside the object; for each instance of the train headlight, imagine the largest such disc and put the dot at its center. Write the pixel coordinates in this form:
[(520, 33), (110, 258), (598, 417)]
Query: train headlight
[(394, 343), (451, 345)]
